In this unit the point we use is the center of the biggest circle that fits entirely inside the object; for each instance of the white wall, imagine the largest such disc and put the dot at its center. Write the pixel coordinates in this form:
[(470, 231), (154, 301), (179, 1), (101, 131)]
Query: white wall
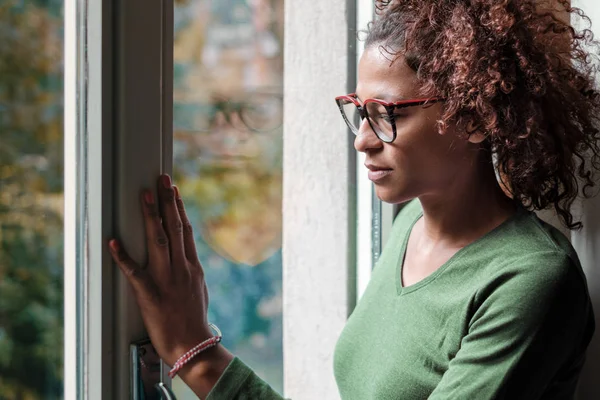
[(319, 198), (587, 244)]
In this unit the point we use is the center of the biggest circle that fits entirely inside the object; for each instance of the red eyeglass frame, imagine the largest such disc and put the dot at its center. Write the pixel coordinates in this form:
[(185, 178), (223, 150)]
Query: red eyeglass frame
[(389, 106)]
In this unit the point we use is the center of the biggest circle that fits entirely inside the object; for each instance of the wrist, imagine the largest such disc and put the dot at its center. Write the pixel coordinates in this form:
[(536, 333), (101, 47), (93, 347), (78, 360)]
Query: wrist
[(203, 371)]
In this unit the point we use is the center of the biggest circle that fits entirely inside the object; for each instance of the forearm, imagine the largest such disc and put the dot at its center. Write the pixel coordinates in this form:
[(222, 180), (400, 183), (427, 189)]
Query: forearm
[(203, 372)]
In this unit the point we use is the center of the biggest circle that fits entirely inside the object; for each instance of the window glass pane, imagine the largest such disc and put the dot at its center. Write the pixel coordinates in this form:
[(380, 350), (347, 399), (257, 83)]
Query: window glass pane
[(228, 116), (31, 199)]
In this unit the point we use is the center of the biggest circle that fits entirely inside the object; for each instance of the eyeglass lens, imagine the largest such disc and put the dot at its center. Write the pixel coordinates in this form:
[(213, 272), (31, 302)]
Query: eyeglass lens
[(378, 118), (381, 121)]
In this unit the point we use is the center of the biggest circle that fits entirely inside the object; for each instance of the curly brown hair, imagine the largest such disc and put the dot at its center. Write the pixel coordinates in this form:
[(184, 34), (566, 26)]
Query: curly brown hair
[(517, 71)]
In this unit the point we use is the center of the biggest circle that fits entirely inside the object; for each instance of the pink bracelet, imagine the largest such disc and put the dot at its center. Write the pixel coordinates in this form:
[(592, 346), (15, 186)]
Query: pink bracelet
[(207, 344)]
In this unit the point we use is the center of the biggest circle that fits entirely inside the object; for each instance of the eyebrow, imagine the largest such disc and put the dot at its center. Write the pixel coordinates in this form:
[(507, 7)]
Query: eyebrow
[(387, 97)]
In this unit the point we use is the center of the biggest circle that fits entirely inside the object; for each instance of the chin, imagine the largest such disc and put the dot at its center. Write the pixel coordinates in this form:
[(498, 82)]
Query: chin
[(393, 196)]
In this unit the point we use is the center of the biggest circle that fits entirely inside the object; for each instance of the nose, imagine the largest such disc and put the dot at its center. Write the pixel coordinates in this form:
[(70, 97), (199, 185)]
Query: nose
[(366, 139), (230, 126)]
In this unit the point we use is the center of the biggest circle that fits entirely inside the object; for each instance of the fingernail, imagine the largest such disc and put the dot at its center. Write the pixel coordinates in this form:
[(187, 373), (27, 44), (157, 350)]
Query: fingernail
[(149, 197), (176, 191), (166, 180), (114, 245)]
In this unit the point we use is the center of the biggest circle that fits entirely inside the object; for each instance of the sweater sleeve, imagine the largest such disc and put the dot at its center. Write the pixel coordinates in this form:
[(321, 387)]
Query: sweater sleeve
[(239, 382), (526, 338)]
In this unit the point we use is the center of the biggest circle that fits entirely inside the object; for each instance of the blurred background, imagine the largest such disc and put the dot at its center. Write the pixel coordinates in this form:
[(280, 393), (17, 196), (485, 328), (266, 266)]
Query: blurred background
[(228, 116), (31, 201)]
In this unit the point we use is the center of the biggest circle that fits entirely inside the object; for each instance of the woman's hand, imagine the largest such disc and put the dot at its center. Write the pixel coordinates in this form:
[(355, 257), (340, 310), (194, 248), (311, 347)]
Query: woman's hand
[(170, 291)]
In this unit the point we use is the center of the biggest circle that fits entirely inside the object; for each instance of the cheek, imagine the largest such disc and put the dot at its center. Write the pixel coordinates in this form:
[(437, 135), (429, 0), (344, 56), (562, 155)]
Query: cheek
[(426, 157), (418, 137)]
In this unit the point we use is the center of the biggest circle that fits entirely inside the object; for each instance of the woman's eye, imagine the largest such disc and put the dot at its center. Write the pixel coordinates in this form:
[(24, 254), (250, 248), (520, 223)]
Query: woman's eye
[(389, 119)]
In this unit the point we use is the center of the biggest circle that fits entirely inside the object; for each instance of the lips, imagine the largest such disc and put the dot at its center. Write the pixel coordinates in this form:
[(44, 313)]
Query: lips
[(377, 172)]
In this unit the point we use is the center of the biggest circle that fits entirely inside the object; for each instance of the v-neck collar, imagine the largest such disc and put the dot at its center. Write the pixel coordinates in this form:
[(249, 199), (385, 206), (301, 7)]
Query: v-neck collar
[(404, 290)]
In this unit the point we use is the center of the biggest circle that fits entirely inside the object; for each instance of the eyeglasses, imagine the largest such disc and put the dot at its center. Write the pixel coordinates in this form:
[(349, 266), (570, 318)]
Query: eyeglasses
[(258, 112), (380, 114)]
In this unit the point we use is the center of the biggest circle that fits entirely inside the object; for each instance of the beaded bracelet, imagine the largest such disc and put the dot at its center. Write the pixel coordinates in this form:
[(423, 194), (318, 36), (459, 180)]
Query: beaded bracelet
[(207, 344)]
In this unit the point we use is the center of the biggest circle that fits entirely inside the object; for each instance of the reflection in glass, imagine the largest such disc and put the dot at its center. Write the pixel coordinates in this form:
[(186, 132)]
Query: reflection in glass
[(31, 200), (258, 111), (228, 125)]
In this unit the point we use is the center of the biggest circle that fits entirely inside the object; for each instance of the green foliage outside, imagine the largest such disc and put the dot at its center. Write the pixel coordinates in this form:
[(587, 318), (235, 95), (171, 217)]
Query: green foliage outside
[(31, 185)]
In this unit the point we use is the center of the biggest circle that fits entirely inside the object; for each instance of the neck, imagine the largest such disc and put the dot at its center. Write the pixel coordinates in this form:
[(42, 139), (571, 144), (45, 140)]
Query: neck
[(470, 205)]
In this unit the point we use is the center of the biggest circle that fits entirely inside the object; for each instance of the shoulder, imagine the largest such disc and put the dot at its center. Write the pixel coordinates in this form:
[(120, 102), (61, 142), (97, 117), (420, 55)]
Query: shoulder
[(530, 293), (531, 285), (527, 247), (527, 263)]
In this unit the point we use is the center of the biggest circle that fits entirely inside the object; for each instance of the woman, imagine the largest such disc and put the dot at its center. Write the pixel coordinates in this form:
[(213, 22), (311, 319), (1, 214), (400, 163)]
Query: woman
[(474, 296)]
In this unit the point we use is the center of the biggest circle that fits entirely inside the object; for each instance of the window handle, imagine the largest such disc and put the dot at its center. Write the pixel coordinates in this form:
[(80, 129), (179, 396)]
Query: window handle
[(165, 392), (149, 380)]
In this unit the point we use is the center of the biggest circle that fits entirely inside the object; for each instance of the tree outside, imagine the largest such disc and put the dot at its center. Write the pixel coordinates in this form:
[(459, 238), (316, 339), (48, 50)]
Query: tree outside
[(31, 201)]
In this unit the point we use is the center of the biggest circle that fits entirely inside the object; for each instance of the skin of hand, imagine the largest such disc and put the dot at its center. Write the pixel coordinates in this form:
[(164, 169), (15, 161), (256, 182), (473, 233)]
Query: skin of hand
[(170, 290)]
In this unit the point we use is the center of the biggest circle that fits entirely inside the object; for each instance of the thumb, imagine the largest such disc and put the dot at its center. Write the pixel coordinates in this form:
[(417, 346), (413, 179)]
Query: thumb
[(138, 278)]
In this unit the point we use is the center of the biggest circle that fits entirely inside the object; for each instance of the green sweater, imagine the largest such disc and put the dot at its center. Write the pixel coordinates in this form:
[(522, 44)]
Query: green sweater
[(507, 317)]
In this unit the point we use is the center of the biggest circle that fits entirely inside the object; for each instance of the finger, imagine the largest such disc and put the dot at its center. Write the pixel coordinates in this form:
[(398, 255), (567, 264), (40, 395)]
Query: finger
[(205, 294), (138, 278), (189, 243), (171, 222), (159, 264)]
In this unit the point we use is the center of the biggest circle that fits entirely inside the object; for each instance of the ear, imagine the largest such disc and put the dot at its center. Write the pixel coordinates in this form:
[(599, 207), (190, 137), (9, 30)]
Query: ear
[(474, 134)]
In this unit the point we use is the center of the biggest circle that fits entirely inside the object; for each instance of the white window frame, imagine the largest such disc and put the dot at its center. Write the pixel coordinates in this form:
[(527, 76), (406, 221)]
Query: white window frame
[(118, 139), (143, 143), (88, 275), (71, 336)]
